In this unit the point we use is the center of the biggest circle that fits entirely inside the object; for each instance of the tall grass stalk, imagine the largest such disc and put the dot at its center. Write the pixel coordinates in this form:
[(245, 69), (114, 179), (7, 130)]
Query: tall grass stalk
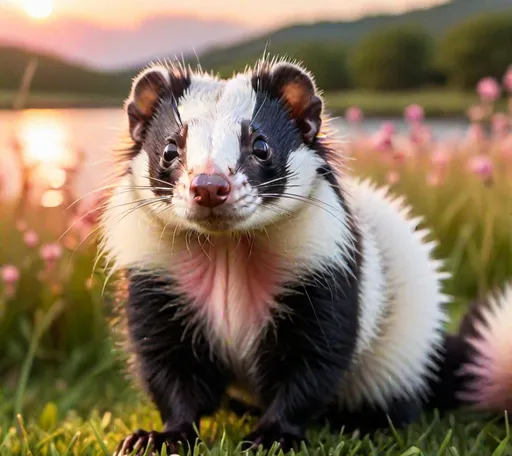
[(43, 321)]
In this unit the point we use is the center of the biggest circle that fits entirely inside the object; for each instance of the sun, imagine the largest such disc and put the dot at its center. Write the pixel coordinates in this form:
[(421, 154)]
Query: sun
[(38, 9)]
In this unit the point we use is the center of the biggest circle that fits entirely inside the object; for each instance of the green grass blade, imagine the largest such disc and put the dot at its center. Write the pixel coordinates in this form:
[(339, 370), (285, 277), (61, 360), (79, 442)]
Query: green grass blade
[(446, 442), (501, 447), (72, 443), (100, 440), (39, 331)]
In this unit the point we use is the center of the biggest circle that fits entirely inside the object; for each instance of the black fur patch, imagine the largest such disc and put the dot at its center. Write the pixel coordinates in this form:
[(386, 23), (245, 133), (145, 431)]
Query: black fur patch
[(176, 363), (369, 419), (271, 122), (456, 352), (156, 121), (443, 390), (303, 356), (165, 127), (296, 93), (287, 114), (147, 93)]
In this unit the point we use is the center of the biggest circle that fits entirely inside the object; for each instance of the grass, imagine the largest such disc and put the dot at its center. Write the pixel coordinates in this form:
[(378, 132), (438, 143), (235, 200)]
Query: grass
[(63, 392), (62, 388), (53, 431), (437, 102)]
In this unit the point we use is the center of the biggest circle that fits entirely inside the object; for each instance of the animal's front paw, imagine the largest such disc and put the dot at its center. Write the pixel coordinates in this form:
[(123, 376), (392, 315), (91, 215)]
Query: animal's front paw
[(288, 438), (140, 440)]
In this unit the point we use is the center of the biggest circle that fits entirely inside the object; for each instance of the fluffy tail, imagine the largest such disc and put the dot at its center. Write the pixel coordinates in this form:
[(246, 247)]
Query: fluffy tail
[(477, 366)]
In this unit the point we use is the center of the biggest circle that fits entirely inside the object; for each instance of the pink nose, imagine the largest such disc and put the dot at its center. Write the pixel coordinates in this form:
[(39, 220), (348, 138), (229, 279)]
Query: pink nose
[(210, 190)]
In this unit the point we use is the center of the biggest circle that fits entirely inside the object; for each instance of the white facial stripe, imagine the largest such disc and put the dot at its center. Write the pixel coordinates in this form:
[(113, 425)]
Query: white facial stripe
[(200, 98), (214, 118)]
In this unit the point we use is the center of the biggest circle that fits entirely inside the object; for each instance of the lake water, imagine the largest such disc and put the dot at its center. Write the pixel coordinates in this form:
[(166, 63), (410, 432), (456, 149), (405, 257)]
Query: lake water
[(53, 137)]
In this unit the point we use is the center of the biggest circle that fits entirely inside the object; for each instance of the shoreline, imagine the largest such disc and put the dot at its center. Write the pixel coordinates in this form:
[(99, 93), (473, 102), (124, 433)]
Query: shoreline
[(437, 103)]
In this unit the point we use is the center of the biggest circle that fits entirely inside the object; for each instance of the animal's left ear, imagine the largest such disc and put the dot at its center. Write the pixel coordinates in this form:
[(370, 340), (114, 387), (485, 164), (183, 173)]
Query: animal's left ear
[(148, 88), (297, 91)]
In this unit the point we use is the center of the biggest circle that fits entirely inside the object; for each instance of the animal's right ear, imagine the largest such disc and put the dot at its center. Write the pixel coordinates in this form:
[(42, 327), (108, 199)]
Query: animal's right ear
[(148, 88)]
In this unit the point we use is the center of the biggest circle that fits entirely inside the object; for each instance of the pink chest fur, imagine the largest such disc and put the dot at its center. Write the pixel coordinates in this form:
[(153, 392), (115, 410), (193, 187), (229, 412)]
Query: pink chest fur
[(233, 283)]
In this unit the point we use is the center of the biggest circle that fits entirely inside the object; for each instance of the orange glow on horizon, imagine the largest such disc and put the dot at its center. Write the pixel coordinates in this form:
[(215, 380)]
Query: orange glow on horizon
[(262, 15)]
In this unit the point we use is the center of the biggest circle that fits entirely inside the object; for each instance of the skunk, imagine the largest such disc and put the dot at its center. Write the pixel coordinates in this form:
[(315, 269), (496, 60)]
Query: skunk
[(250, 260)]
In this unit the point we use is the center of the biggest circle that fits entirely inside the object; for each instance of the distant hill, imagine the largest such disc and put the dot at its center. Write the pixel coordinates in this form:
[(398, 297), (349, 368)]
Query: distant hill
[(113, 48), (434, 20), (57, 76)]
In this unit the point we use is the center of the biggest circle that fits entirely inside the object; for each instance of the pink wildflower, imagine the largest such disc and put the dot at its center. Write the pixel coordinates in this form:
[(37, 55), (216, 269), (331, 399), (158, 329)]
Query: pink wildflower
[(414, 113), (10, 277), (10, 274), (50, 253), (354, 115), (383, 142), (388, 129), (383, 139), (481, 165), (31, 239), (488, 89)]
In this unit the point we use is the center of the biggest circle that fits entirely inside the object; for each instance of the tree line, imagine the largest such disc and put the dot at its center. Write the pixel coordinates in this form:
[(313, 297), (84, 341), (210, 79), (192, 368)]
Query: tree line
[(407, 57)]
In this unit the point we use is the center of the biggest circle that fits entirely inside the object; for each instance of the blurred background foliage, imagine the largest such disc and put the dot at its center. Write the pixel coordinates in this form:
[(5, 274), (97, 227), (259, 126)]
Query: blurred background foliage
[(407, 56)]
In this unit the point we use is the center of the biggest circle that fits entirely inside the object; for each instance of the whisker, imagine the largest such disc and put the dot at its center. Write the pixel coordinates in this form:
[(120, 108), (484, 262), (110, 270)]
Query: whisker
[(174, 235), (82, 242), (276, 180), (124, 214), (310, 198), (159, 180), (165, 226), (313, 202), (278, 185), (99, 207), (202, 248), (96, 208), (150, 201), (188, 233), (106, 187)]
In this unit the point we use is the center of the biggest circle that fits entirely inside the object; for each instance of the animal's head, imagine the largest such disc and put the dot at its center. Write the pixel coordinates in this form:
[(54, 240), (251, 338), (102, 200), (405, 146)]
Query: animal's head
[(225, 155)]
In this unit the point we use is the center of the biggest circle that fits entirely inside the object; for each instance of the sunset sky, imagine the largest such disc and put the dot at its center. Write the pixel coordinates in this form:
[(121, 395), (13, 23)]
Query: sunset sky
[(261, 13)]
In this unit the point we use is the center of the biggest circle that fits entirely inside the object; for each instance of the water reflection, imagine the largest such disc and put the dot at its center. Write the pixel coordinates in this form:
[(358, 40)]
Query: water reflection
[(46, 157), (44, 140)]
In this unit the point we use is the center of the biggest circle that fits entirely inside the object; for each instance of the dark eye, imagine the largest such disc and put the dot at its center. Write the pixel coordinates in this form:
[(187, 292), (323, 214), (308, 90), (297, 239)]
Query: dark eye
[(170, 152), (261, 149)]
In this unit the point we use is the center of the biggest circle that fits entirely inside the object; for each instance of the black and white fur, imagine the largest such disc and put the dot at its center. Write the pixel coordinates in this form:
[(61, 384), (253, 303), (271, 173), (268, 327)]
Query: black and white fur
[(353, 331)]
